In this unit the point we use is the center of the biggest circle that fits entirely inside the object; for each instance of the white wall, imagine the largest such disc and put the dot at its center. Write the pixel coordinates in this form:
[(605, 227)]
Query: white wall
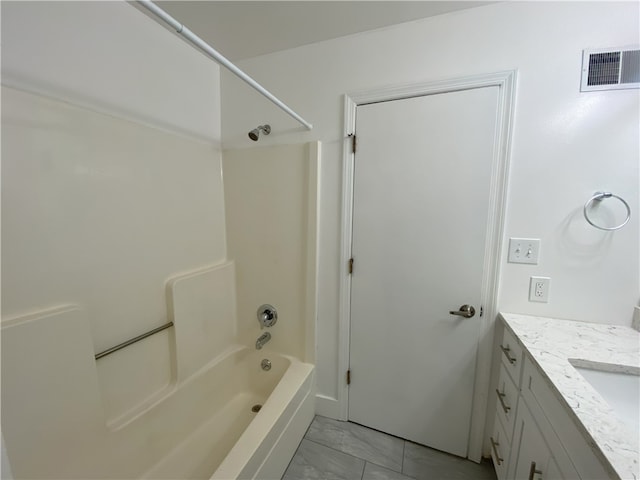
[(111, 57), (566, 144)]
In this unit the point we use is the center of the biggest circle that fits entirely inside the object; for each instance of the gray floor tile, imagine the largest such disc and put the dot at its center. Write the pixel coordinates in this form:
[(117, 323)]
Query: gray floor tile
[(314, 461), (425, 463), (359, 441), (376, 472)]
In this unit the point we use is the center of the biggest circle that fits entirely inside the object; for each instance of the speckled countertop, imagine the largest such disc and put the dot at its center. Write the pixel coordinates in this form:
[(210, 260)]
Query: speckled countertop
[(552, 343)]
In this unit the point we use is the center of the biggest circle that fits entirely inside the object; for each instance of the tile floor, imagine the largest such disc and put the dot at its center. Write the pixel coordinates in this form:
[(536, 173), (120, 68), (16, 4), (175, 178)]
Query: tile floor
[(333, 450)]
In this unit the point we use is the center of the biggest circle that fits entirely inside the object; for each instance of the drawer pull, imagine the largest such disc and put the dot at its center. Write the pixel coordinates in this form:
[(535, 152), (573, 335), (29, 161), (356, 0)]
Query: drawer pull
[(495, 446), (533, 471), (506, 351), (501, 396)]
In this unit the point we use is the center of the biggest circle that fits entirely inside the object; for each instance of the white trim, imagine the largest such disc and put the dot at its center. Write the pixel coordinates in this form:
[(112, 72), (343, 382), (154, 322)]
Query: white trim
[(327, 406), (493, 252), (506, 81), (312, 264), (344, 322)]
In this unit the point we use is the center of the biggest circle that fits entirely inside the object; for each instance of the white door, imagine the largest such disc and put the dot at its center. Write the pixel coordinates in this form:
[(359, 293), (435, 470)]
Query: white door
[(421, 201)]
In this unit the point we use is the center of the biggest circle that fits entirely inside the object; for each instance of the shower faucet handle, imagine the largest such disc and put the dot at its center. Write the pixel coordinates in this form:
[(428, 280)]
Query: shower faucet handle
[(267, 315)]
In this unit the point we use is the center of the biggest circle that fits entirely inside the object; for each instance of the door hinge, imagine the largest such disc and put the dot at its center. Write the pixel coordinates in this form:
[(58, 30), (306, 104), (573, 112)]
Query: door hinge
[(348, 377), (353, 142), (350, 266)]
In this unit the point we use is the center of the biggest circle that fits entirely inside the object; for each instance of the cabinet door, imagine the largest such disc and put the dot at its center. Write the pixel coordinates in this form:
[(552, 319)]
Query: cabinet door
[(533, 455), (553, 471)]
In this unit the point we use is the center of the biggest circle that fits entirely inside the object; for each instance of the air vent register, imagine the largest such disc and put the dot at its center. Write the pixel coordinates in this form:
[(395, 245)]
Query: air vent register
[(610, 69)]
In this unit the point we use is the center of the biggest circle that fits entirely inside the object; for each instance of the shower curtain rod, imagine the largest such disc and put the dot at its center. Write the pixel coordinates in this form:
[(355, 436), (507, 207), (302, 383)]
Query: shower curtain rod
[(219, 58)]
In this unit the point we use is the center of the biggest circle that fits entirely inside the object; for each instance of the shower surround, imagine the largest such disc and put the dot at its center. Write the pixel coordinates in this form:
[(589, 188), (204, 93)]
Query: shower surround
[(110, 229)]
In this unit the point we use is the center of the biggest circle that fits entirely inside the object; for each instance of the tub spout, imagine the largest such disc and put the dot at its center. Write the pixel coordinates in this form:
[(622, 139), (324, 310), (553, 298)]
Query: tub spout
[(262, 339)]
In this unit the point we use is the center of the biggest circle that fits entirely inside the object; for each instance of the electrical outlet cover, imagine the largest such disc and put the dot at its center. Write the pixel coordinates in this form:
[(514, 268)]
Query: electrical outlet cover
[(539, 289)]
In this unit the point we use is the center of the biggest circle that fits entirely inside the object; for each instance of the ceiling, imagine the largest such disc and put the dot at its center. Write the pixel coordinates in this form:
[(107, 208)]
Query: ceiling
[(244, 29)]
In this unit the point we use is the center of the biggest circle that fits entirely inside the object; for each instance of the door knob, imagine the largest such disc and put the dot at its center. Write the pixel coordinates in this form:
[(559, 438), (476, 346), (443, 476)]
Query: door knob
[(466, 311)]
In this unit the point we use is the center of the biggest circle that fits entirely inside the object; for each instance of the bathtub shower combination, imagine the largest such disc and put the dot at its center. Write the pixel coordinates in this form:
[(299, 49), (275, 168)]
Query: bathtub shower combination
[(244, 421), (229, 410)]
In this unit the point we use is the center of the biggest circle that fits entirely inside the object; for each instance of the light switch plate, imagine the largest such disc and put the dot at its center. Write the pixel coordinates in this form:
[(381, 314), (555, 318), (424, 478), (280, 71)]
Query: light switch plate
[(524, 250)]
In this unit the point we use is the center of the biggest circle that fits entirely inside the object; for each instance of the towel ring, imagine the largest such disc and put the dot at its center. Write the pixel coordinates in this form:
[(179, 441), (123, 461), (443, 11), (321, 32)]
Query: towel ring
[(598, 197)]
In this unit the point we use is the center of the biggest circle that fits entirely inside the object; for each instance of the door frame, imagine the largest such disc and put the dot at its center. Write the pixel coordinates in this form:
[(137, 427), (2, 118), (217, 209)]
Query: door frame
[(506, 82)]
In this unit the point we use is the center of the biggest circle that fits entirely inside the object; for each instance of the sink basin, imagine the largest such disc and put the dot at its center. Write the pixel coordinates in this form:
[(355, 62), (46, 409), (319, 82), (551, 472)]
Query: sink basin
[(620, 390)]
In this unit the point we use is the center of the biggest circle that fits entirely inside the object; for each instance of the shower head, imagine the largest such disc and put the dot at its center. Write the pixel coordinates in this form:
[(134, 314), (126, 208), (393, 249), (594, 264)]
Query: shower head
[(255, 133)]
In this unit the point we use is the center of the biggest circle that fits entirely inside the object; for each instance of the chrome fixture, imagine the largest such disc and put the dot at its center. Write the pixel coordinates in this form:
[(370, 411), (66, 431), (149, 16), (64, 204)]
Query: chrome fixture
[(598, 197), (266, 364), (255, 133), (501, 396), (211, 52), (262, 339), (133, 340), (466, 311), (533, 471), (267, 315), (494, 446), (507, 353)]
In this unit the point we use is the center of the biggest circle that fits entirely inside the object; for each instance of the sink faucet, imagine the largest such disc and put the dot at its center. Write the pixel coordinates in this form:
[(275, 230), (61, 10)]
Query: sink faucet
[(262, 339)]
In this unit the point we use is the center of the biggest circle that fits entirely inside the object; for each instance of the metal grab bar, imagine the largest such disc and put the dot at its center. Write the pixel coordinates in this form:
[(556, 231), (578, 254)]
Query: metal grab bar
[(133, 340)]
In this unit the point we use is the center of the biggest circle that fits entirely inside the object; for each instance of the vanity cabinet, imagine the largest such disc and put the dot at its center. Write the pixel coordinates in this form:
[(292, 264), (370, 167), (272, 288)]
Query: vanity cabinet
[(533, 437), (507, 397), (533, 459), (538, 453)]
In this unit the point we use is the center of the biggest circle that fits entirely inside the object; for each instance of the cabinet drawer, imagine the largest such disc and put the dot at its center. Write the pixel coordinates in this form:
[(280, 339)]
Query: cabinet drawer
[(506, 401), (511, 356), (500, 450)]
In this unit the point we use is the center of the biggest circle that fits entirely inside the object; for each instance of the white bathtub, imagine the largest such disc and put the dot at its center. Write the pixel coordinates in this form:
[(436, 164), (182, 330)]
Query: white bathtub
[(200, 428), (211, 429), (57, 424)]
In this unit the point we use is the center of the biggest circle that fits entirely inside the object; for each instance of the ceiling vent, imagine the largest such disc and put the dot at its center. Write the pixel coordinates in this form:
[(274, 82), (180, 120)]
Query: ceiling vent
[(610, 69)]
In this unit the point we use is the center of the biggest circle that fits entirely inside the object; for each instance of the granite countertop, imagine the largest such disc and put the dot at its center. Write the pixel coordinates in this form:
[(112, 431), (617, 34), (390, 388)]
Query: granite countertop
[(552, 343)]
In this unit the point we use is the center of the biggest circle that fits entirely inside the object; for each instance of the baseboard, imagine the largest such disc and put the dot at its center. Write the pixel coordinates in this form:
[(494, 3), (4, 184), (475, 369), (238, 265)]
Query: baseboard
[(328, 407)]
